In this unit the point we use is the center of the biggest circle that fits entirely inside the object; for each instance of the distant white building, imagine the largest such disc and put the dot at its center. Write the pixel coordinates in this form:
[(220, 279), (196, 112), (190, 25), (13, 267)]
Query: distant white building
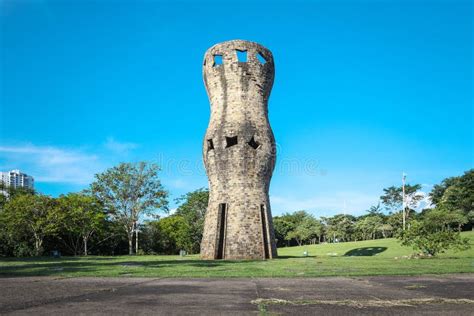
[(16, 179)]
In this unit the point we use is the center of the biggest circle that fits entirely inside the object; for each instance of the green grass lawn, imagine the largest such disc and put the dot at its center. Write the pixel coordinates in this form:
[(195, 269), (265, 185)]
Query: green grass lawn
[(372, 257)]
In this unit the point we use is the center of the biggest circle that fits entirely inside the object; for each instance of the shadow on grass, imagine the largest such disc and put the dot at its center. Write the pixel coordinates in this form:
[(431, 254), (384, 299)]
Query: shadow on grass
[(365, 251), (46, 266), (294, 257)]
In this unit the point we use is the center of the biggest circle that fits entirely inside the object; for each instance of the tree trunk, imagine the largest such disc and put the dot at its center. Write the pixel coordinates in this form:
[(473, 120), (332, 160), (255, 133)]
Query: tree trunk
[(85, 246), (130, 243), (136, 241), (38, 244)]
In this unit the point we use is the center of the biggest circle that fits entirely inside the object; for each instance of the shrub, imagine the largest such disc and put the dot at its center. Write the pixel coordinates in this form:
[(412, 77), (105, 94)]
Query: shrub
[(432, 239)]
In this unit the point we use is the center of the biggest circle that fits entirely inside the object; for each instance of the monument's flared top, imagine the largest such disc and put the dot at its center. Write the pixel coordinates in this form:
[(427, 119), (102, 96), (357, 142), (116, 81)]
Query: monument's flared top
[(229, 50), (233, 66)]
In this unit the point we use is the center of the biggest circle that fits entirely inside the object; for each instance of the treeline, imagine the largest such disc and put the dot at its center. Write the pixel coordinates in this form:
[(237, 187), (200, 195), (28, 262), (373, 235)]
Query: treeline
[(102, 220), (300, 227), (452, 209), (120, 213), (32, 224)]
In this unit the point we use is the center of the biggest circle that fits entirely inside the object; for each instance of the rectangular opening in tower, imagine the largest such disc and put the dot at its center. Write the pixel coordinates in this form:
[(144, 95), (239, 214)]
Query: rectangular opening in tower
[(221, 220), (264, 231)]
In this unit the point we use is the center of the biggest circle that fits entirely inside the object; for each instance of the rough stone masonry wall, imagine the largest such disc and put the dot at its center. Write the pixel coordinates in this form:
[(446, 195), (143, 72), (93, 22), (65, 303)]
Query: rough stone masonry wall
[(239, 152)]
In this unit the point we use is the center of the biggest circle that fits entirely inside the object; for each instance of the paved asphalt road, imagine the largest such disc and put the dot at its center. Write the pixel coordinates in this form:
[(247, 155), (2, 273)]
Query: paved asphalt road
[(395, 295)]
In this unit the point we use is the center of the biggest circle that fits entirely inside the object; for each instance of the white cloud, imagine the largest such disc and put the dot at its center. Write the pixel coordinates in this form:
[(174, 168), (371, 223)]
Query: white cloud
[(172, 211), (51, 164), (117, 147), (425, 202), (62, 165)]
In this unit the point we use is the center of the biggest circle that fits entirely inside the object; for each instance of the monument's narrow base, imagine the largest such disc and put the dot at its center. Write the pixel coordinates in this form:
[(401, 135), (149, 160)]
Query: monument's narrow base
[(233, 234)]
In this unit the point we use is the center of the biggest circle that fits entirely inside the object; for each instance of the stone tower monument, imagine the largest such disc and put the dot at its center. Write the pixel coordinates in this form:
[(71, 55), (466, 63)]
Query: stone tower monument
[(239, 152)]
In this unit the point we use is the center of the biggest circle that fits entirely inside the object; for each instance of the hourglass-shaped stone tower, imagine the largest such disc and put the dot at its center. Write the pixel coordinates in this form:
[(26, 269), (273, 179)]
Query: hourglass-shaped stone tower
[(239, 152)]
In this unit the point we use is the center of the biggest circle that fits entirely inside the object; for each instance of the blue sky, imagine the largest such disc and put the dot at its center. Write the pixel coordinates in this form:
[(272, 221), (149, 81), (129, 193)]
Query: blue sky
[(364, 90)]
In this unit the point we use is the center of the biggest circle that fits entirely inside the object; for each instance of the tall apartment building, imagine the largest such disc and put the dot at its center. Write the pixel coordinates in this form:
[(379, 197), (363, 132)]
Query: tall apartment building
[(16, 179)]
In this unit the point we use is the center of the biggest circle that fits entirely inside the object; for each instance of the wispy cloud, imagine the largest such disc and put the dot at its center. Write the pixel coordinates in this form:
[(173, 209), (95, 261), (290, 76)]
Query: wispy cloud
[(51, 164), (62, 165), (425, 202), (119, 147)]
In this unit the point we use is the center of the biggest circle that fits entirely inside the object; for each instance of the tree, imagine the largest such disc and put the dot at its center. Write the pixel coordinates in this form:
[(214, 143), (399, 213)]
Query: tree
[(82, 216), (393, 197), (438, 189), (395, 220), (431, 237), (8, 192), (470, 216), (319, 230), (455, 194), (375, 210), (8, 245), (304, 231), (129, 191), (111, 239), (369, 226), (292, 226), (446, 218), (386, 230), (193, 209), (170, 234), (34, 215), (297, 228), (282, 227), (465, 182), (340, 227)]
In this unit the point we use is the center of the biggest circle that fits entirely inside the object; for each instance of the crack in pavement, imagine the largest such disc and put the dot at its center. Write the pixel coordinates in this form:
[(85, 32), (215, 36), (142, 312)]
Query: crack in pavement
[(34, 304), (234, 296)]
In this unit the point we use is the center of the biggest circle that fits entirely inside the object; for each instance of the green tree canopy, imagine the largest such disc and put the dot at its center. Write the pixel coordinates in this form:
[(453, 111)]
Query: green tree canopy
[(32, 215), (369, 226), (130, 190), (433, 234), (340, 227), (192, 208), (304, 230), (282, 227), (393, 197), (170, 233), (8, 192), (455, 195), (82, 216)]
